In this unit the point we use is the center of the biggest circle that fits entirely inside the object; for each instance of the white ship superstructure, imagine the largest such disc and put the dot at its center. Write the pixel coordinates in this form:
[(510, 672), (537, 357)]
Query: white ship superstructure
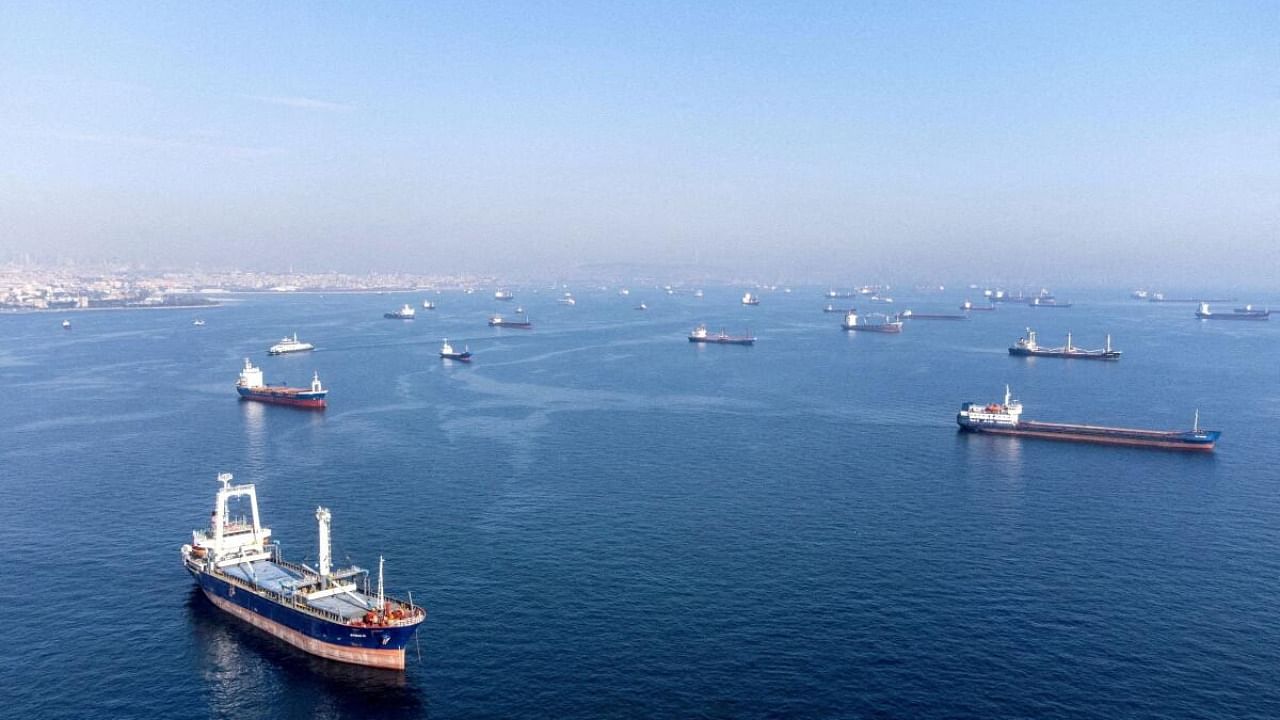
[(1004, 414)]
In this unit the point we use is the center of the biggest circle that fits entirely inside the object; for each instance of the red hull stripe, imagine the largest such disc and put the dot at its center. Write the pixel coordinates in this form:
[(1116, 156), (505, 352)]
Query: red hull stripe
[(390, 659), (286, 401), (1195, 447)]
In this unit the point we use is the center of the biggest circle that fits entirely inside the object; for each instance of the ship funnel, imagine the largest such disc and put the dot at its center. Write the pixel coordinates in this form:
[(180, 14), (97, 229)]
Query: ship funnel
[(323, 517)]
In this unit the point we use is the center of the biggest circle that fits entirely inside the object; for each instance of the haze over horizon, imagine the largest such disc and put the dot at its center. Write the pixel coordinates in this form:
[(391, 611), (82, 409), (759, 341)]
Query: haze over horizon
[(1090, 142)]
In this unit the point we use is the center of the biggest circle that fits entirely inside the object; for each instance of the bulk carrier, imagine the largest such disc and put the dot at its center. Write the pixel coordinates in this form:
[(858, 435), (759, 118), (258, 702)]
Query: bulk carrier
[(1006, 419), (323, 611)]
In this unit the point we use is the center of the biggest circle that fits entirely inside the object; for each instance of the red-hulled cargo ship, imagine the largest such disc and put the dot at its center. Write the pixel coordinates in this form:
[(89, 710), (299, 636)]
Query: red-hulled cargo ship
[(1006, 419), (251, 387)]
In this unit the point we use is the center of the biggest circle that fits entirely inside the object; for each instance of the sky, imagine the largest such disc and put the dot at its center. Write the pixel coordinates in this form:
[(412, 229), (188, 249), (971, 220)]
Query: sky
[(1075, 141)]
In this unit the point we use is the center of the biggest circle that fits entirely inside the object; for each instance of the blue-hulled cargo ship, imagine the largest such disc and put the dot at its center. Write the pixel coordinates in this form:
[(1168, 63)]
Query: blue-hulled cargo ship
[(323, 611), (1006, 419), (1248, 312)]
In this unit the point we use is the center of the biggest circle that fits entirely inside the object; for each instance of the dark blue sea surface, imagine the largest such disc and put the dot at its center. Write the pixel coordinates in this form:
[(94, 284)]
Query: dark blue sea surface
[(605, 520)]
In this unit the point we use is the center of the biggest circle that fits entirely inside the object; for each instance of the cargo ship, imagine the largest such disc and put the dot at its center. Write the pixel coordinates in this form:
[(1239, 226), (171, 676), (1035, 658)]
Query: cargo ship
[(1028, 347), (1245, 313), (833, 309), (404, 313), (838, 295), (325, 611), (1006, 419), (749, 299), (1047, 302), (874, 322), (970, 307), (1160, 298), (499, 321), (251, 387), (290, 345), (1251, 310), (913, 315), (448, 353), (505, 295), (700, 335), (428, 305)]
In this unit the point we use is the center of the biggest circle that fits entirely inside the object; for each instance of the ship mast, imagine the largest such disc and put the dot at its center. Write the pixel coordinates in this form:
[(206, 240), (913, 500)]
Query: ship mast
[(326, 557), (382, 603), (1195, 426), (1108, 342)]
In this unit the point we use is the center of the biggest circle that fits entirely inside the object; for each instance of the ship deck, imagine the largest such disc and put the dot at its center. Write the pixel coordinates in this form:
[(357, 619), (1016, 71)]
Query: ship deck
[(279, 579)]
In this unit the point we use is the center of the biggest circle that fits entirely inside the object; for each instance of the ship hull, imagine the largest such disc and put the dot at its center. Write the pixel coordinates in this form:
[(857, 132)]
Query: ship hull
[(1234, 316), (460, 357), (393, 316), (723, 341), (1182, 441), (517, 326), (889, 328), (285, 396), (379, 647), (1075, 355)]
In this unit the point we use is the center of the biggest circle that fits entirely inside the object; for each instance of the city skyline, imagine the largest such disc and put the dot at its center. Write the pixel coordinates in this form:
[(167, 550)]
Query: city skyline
[(1089, 143)]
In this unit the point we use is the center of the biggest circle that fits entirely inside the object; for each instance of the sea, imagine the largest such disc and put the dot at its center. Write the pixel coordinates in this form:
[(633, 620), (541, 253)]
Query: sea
[(604, 520)]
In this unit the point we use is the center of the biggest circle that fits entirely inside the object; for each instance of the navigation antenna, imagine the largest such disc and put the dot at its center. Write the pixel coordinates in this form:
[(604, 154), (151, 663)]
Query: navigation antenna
[(382, 603)]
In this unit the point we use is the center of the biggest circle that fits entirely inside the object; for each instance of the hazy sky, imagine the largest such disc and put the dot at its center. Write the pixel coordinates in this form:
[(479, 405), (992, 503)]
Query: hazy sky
[(1027, 139)]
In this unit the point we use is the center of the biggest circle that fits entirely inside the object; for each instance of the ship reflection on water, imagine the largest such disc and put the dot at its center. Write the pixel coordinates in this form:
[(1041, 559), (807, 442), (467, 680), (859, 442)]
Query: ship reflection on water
[(244, 668), (993, 453)]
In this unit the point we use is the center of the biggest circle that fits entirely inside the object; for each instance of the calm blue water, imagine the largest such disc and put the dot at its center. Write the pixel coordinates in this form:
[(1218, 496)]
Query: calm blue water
[(605, 521)]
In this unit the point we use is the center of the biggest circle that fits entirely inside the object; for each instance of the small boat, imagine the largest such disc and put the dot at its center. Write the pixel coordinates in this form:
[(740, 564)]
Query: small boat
[(568, 299), (1028, 347), (875, 322), (881, 299), (519, 309), (66, 324), (448, 353), (428, 305), (749, 299), (1245, 313), (624, 292), (1140, 294), (700, 335), (833, 309), (838, 295), (642, 306), (499, 321), (198, 322), (289, 345), (505, 295), (970, 307), (697, 293), (404, 313)]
